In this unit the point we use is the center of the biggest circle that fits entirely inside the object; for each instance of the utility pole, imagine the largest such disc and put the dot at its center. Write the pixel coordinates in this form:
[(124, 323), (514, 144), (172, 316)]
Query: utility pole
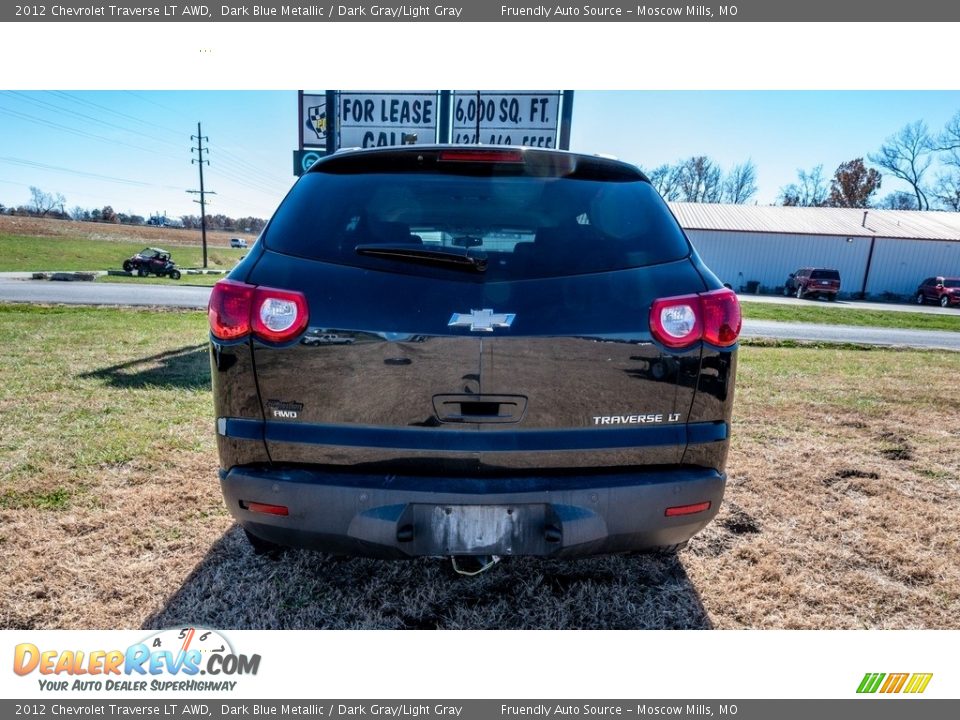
[(199, 160)]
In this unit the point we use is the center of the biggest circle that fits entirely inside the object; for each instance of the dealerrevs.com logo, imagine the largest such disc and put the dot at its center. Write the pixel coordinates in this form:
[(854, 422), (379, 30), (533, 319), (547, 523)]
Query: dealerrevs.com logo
[(169, 660)]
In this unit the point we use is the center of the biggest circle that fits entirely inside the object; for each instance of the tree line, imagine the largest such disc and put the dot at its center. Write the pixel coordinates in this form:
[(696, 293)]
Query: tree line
[(53, 205)]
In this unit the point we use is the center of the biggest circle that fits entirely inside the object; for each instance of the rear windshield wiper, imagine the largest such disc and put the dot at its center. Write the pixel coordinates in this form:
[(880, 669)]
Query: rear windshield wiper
[(468, 259)]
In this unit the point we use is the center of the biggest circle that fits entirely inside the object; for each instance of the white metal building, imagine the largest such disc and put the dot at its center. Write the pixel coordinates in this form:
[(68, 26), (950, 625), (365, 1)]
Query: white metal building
[(886, 251)]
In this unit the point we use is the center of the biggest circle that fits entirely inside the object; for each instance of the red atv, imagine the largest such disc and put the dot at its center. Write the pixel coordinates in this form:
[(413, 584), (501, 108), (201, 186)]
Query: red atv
[(152, 261)]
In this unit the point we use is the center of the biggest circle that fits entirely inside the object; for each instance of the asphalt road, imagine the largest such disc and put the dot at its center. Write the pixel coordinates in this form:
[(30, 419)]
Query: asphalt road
[(88, 293)]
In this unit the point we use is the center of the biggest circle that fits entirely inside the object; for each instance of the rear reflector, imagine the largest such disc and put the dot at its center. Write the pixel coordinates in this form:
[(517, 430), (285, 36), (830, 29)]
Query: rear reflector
[(488, 156), (687, 509), (265, 508)]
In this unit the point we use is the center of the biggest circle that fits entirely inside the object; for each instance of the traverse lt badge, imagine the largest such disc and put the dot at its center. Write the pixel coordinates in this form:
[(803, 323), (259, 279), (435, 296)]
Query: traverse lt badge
[(481, 320)]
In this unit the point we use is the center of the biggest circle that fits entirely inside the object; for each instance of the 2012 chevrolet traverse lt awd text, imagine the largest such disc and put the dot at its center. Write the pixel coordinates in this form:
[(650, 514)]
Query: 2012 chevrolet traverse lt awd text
[(472, 351)]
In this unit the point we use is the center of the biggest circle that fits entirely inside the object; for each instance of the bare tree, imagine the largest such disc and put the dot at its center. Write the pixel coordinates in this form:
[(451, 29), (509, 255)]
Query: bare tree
[(947, 190), (898, 200), (699, 180), (949, 141), (664, 180), (853, 185), (741, 184), (42, 203), (907, 155), (811, 190)]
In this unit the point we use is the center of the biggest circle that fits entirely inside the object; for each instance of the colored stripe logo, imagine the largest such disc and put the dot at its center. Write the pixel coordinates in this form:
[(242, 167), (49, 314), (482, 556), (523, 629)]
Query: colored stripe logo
[(913, 683)]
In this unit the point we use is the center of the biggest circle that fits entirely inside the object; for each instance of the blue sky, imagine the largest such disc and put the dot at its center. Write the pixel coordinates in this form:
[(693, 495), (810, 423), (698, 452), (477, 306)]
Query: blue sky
[(131, 149)]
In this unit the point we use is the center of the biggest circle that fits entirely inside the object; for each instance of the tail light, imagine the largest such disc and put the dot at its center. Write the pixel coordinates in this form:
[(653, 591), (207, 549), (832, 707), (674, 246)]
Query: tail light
[(680, 321), (237, 309)]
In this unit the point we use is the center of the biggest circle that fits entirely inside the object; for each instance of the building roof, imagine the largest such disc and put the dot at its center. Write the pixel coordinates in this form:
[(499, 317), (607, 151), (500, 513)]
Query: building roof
[(844, 222)]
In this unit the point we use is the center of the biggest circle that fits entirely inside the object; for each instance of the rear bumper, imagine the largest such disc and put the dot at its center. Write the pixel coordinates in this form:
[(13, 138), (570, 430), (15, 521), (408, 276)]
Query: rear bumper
[(404, 516)]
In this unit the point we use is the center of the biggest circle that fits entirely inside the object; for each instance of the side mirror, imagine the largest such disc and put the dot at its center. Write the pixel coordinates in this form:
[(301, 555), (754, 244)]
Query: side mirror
[(939, 286), (728, 286), (791, 275)]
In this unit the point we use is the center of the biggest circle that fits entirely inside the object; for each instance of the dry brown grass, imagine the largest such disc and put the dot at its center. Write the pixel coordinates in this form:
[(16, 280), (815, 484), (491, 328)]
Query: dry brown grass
[(841, 510), (47, 227)]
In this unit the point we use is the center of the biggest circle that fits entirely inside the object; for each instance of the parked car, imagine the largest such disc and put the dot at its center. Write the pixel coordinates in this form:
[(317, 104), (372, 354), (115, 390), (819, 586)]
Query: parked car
[(152, 261), (813, 282), (540, 364), (238, 243), (939, 289)]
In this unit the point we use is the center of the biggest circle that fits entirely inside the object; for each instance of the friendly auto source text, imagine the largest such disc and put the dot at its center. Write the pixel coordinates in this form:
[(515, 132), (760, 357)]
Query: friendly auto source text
[(594, 11)]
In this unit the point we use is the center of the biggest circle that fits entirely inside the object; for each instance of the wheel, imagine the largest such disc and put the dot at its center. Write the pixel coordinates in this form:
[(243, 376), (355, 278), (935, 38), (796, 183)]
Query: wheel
[(786, 291), (142, 272), (831, 297), (127, 266), (799, 292), (263, 547), (944, 301), (920, 299), (174, 274)]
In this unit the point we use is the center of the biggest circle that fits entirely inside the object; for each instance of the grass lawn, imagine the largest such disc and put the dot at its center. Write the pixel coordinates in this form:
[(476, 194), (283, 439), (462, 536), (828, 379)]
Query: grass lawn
[(839, 315), (840, 510), (204, 280), (36, 254)]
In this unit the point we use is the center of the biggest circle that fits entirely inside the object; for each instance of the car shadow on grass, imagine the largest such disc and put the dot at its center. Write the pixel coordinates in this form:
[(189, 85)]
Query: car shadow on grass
[(186, 368), (231, 588)]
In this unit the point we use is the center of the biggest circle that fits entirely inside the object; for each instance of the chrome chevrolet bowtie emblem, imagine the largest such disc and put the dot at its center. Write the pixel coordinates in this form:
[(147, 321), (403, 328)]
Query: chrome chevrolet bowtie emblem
[(481, 320)]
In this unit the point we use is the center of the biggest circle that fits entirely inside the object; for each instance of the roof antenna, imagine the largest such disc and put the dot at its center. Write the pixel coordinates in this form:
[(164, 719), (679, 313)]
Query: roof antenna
[(864, 223)]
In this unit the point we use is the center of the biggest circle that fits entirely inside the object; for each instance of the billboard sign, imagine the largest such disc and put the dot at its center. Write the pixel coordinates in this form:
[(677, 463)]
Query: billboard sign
[(332, 119), (381, 119), (492, 117)]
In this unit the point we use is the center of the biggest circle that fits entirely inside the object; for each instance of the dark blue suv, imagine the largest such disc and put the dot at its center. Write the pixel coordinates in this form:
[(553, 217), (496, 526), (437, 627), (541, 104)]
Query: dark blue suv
[(472, 351)]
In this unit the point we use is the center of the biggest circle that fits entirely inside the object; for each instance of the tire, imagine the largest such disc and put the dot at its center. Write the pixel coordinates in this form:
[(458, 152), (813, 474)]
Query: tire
[(799, 292), (174, 274), (831, 296), (264, 548), (944, 301), (921, 299), (142, 272), (786, 291), (127, 266)]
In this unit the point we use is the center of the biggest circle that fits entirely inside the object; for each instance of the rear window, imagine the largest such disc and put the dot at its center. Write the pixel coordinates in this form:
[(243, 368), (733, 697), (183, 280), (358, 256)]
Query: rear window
[(520, 226), (825, 275)]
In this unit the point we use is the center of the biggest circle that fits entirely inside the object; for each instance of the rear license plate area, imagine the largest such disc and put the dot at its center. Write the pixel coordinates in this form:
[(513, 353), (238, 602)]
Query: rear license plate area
[(478, 529)]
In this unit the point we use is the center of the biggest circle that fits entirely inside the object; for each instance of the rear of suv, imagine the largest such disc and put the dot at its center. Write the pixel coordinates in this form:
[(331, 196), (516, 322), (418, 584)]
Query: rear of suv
[(945, 291), (449, 351), (813, 282)]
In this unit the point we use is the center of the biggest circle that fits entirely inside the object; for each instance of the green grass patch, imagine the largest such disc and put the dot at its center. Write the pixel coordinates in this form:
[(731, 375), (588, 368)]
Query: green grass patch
[(201, 280), (839, 315), (89, 391), (20, 253), (55, 500)]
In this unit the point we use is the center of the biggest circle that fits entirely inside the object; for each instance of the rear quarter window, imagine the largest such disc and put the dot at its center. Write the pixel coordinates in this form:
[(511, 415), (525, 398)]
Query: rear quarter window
[(525, 226)]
